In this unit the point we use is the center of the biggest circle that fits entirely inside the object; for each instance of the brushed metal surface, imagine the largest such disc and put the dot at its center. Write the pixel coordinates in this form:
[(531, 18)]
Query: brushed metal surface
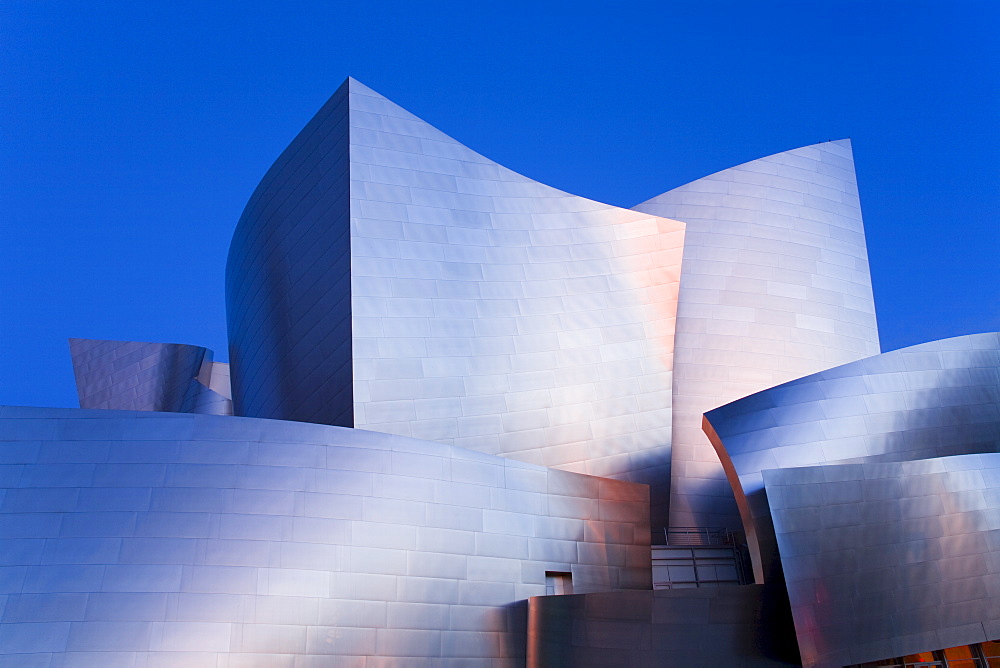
[(775, 285), (921, 570), (136, 538), (930, 400), (712, 626), (869, 493), (171, 377), (385, 276)]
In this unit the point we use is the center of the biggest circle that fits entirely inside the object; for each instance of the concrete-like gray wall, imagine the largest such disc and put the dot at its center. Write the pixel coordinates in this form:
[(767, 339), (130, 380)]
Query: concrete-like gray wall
[(775, 285), (135, 538)]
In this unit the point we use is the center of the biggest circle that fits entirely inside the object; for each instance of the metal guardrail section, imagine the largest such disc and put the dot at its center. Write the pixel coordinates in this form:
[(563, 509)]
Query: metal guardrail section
[(699, 536), (697, 555)]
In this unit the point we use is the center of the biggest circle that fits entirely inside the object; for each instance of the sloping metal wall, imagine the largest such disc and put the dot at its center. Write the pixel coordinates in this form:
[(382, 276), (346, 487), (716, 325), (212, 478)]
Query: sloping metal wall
[(170, 377), (865, 496), (136, 538), (467, 305), (288, 281), (884, 560), (775, 285)]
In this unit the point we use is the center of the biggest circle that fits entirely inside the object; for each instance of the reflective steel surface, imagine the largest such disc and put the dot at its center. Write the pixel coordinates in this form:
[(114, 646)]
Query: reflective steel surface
[(438, 295), (883, 560), (888, 546), (775, 285), (717, 626), (172, 377), (510, 349), (931, 400), (136, 538)]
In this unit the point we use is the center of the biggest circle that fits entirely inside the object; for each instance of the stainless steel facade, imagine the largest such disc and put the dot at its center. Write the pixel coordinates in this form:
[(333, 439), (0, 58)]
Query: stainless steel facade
[(288, 282), (144, 539), (775, 285), (884, 560), (931, 400), (888, 547), (716, 626), (385, 276), (509, 350), (172, 377)]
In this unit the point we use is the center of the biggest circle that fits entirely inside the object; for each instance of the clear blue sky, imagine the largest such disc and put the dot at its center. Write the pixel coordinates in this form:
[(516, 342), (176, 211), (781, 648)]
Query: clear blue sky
[(132, 134)]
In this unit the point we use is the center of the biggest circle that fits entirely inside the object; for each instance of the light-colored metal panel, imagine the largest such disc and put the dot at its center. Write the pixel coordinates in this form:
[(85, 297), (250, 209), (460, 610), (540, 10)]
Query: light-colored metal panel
[(903, 587), (877, 518), (380, 265), (775, 268), (801, 423), (281, 542)]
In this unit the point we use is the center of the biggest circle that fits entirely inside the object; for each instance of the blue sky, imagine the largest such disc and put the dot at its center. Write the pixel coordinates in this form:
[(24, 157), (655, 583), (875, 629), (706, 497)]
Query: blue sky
[(132, 135)]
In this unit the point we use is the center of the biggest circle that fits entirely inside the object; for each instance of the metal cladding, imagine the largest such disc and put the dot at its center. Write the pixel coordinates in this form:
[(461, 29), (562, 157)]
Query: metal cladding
[(171, 377), (775, 285), (510, 349), (191, 540), (885, 560), (715, 626), (898, 521), (931, 400), (288, 281), (385, 276)]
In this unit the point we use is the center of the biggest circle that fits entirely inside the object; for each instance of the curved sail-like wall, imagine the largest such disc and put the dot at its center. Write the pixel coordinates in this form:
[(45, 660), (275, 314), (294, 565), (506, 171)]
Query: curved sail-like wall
[(139, 539), (871, 492), (170, 377), (775, 285), (930, 400), (385, 276), (889, 559)]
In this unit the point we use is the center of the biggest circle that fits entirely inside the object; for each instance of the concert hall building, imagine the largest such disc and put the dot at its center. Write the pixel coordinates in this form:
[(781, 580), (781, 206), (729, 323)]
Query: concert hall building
[(472, 420)]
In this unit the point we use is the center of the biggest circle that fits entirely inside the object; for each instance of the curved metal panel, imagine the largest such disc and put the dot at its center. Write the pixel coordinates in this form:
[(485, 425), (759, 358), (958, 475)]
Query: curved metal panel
[(712, 626), (775, 285), (888, 559), (171, 377), (461, 303), (931, 400), (214, 396), (288, 280), (170, 539)]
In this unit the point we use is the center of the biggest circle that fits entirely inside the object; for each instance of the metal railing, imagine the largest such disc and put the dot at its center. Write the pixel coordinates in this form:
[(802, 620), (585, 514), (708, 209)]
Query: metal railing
[(718, 537), (696, 536)]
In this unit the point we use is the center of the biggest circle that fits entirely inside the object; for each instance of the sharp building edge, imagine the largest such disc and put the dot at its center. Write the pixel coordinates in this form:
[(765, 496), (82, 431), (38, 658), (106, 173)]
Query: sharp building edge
[(170, 377), (460, 407), (774, 285), (871, 493), (384, 276)]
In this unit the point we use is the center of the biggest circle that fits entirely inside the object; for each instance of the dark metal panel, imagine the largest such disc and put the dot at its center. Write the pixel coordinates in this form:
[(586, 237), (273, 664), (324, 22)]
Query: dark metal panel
[(170, 377), (288, 281), (717, 626)]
